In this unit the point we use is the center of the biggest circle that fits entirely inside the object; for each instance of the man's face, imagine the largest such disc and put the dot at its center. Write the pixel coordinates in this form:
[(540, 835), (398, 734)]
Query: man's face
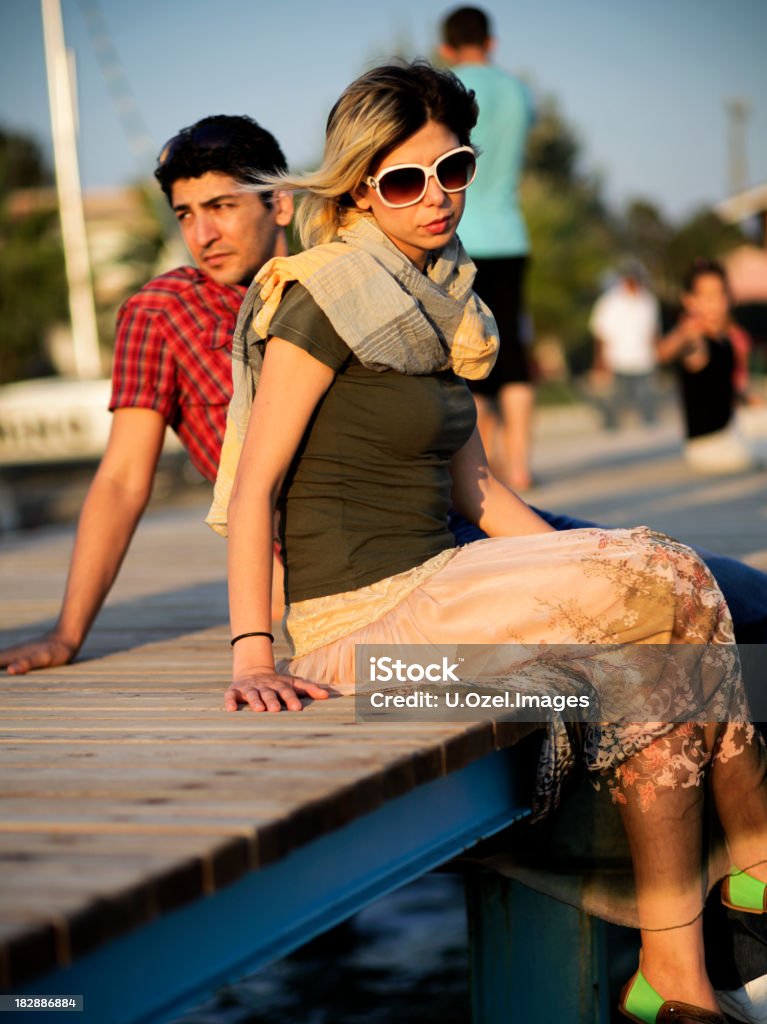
[(229, 232), (631, 284)]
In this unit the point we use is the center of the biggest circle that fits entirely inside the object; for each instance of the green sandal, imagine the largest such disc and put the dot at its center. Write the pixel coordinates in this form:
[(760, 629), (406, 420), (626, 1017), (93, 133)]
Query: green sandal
[(741, 891), (642, 1004)]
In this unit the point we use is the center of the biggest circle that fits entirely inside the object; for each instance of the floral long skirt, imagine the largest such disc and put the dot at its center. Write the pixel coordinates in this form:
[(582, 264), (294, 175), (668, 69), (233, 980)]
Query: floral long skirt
[(628, 594)]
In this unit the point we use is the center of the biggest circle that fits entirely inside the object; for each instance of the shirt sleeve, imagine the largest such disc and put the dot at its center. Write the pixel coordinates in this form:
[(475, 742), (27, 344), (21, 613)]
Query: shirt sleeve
[(144, 371), (300, 321)]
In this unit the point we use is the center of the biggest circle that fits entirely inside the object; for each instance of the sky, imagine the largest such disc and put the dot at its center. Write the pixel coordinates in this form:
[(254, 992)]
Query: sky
[(643, 84)]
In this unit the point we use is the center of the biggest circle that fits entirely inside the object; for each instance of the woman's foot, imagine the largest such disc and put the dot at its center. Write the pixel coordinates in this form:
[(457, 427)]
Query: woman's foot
[(686, 986), (672, 967), (643, 1003), (745, 891)]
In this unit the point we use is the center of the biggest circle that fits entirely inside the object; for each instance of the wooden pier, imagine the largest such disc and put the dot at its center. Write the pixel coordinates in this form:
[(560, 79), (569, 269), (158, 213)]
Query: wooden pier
[(138, 815), (153, 845)]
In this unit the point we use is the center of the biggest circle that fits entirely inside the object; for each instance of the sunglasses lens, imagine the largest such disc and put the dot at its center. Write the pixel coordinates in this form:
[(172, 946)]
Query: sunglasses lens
[(401, 186), (456, 171)]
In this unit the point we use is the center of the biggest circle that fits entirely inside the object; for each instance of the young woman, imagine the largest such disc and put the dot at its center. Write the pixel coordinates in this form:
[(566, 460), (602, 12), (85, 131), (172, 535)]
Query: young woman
[(352, 355)]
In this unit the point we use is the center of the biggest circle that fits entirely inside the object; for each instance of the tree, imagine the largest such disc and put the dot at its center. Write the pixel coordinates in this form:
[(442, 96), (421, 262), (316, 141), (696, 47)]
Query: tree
[(21, 163), (703, 234), (33, 293), (571, 247), (552, 147), (571, 241), (643, 233), (668, 249)]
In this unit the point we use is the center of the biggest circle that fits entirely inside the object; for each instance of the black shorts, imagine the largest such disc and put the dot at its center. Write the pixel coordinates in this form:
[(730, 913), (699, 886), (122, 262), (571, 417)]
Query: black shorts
[(499, 283)]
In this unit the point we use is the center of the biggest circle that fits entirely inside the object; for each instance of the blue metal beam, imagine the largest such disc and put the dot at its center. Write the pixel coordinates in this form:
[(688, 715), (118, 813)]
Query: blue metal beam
[(162, 968)]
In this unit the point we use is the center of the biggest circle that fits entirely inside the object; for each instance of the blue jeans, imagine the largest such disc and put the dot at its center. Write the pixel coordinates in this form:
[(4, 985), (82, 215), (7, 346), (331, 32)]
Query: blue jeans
[(744, 588)]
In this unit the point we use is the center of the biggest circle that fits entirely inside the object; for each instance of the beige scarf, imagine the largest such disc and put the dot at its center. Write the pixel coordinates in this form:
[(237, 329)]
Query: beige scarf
[(390, 315)]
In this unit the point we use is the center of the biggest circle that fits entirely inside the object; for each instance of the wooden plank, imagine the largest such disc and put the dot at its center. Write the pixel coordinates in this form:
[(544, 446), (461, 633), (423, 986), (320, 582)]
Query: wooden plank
[(27, 846), (245, 749), (190, 774), (158, 787)]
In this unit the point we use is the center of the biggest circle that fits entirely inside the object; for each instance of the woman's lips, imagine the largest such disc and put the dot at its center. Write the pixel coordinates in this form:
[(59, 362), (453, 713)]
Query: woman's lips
[(438, 227)]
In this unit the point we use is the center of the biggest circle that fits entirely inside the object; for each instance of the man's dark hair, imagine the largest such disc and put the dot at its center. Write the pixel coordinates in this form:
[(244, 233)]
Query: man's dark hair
[(227, 144), (466, 26), (700, 268)]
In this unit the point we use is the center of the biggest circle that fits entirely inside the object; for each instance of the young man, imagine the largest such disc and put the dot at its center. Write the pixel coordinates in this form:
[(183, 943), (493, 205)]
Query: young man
[(494, 234), (172, 362)]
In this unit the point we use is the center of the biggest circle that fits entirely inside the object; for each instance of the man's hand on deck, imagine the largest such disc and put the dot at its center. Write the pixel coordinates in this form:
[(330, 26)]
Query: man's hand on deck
[(267, 690), (45, 651)]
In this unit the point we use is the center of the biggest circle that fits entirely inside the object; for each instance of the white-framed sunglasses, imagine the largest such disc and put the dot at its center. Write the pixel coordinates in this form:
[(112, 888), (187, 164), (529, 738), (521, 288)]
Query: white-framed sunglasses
[(406, 184)]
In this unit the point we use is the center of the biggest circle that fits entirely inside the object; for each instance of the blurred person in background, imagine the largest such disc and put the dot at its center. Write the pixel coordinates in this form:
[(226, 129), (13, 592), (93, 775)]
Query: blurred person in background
[(494, 235), (625, 325), (710, 355)]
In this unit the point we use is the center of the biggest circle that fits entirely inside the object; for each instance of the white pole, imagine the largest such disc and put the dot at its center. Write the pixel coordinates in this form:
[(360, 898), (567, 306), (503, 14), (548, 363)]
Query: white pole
[(81, 309)]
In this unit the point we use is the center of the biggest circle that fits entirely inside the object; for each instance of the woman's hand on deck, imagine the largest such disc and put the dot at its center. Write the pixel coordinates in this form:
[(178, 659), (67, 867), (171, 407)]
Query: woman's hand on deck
[(267, 690)]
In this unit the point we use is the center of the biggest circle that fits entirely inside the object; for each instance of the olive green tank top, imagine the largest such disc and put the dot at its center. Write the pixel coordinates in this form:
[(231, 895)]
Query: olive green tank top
[(368, 492)]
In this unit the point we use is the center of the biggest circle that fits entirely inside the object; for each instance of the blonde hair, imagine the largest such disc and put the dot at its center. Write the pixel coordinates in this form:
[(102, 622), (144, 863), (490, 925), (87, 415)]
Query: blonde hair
[(377, 112)]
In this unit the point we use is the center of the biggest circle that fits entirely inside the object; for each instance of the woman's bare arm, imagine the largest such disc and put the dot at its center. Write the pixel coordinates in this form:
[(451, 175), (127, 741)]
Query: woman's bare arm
[(292, 383), (484, 500)]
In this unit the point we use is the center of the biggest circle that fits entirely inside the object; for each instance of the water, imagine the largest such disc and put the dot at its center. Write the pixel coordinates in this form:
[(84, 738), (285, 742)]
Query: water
[(403, 959)]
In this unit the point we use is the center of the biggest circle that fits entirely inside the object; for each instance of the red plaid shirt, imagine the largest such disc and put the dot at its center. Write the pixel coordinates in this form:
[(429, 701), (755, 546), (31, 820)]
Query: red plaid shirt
[(173, 354)]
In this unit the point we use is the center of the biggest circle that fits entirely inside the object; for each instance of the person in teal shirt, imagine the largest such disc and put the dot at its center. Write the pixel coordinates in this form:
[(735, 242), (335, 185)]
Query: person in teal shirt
[(494, 234)]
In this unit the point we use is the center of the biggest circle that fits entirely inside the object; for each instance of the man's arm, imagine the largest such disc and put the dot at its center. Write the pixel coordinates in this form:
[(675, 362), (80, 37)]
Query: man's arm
[(113, 506)]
